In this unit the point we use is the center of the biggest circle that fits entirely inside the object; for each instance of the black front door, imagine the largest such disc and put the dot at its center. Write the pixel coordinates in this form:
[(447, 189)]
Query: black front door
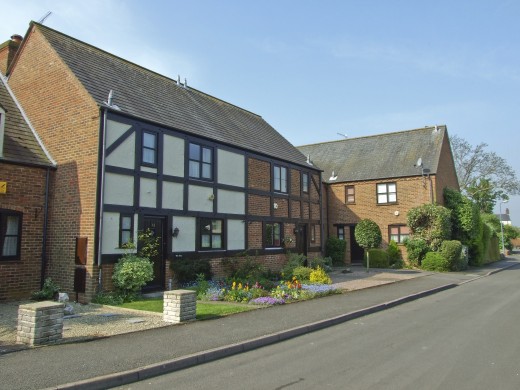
[(157, 226), (301, 239)]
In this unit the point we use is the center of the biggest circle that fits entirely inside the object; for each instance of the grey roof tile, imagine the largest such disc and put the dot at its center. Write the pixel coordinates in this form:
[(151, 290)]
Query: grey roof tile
[(390, 155), (151, 96), (20, 142)]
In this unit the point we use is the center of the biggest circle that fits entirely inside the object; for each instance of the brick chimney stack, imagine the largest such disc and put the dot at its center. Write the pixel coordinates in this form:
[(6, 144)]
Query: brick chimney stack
[(8, 50)]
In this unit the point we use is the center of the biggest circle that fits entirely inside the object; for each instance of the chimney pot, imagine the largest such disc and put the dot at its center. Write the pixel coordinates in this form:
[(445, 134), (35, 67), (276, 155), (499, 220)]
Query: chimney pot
[(17, 38)]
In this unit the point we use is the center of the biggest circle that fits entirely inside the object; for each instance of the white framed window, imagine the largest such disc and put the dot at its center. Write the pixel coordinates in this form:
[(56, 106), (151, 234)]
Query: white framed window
[(386, 193)]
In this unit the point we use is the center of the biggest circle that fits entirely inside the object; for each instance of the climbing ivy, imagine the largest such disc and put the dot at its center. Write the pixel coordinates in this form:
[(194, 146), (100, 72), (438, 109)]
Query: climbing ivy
[(431, 223)]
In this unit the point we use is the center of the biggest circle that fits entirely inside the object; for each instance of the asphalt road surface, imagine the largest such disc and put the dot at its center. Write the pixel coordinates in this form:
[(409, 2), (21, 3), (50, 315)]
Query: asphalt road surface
[(463, 338)]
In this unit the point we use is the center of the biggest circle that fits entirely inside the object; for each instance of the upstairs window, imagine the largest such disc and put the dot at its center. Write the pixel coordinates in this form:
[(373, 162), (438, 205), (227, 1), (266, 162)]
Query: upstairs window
[(149, 149), (350, 194), (398, 233), (386, 193), (201, 162), (280, 179), (305, 183), (273, 235), (211, 234), (10, 234)]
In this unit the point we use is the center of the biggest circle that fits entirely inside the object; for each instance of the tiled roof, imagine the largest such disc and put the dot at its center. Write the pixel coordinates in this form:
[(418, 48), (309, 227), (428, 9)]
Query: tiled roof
[(21, 144), (390, 155), (151, 96)]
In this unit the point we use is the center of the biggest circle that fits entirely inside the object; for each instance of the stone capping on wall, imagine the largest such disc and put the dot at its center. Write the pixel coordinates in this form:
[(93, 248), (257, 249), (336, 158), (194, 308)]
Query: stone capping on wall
[(40, 323), (179, 306)]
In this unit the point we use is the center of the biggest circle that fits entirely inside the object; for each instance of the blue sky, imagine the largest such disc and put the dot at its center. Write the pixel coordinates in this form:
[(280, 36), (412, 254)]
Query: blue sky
[(314, 69)]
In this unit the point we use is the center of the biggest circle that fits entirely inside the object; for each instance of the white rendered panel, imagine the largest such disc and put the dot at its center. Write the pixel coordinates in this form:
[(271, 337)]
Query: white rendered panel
[(114, 131), (231, 168), (173, 156), (148, 193), (119, 189), (185, 240), (231, 202), (199, 198), (173, 196), (236, 234), (124, 155)]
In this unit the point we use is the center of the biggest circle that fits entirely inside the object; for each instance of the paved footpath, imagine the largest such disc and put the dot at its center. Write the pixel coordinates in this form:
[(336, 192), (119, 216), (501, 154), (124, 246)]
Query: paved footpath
[(126, 358)]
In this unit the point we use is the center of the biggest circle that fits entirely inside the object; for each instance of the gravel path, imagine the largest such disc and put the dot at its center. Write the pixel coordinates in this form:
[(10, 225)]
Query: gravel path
[(88, 322)]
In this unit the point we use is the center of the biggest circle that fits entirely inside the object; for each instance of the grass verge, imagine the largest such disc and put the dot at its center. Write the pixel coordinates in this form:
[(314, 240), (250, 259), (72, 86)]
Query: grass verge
[(205, 310)]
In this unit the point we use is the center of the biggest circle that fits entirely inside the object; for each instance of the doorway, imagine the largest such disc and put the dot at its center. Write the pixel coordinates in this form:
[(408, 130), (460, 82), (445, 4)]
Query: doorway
[(301, 239), (356, 252), (157, 226)]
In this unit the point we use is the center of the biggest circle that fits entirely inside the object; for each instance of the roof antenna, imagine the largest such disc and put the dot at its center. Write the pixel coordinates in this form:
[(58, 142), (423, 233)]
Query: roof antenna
[(179, 79), (343, 135), (185, 83), (44, 17)]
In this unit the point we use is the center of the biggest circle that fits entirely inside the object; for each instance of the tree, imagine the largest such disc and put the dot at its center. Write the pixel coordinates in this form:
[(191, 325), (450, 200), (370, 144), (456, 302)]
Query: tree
[(483, 176), (368, 234)]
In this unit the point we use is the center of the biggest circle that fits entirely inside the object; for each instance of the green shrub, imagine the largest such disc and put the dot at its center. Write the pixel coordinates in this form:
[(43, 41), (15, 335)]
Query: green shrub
[(452, 251), (416, 249), (477, 246), (293, 260), (131, 273), (302, 273), (434, 261), (108, 298), (465, 216), (48, 291), (431, 223), (394, 254), (319, 276), (187, 270), (335, 249), (378, 258), (368, 234), (323, 262)]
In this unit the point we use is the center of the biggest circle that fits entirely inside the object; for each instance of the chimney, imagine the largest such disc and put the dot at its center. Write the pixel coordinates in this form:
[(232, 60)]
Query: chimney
[(8, 51), (507, 211)]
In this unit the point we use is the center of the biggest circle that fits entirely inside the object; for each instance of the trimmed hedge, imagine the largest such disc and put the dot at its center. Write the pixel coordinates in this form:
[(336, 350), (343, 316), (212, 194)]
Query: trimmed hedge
[(452, 251), (186, 270), (434, 261), (378, 258)]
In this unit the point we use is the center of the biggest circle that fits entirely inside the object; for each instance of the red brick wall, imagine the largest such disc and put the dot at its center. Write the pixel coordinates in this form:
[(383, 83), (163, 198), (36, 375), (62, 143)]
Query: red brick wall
[(67, 120), (259, 174), (446, 174), (26, 194), (411, 192)]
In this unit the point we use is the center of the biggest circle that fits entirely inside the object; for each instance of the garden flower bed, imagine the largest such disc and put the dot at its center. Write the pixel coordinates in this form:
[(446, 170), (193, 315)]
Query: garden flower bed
[(256, 294)]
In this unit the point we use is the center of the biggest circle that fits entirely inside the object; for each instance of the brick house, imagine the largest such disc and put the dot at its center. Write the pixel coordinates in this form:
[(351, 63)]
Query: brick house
[(381, 177), (136, 150), (25, 169)]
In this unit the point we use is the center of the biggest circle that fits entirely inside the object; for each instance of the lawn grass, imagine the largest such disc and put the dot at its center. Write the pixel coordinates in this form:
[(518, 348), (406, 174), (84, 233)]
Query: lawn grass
[(205, 310)]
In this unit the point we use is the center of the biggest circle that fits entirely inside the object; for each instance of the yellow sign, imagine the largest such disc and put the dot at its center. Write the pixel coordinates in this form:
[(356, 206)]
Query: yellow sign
[(3, 187)]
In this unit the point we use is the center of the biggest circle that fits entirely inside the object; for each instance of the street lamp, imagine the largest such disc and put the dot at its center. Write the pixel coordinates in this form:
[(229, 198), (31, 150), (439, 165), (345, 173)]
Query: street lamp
[(502, 227)]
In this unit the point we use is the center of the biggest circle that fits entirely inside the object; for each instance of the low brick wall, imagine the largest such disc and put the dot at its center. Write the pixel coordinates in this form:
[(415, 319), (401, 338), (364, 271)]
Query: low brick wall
[(40, 323), (179, 306)]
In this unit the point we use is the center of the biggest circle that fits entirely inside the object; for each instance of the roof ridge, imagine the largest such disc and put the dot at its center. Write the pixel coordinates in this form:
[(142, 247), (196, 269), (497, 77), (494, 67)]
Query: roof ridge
[(374, 135), (142, 68)]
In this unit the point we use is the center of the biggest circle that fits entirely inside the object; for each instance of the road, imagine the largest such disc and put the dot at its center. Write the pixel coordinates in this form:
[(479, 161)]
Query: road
[(463, 338)]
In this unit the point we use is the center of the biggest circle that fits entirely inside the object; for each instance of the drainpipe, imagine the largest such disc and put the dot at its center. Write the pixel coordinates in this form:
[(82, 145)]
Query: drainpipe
[(45, 227), (101, 194)]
